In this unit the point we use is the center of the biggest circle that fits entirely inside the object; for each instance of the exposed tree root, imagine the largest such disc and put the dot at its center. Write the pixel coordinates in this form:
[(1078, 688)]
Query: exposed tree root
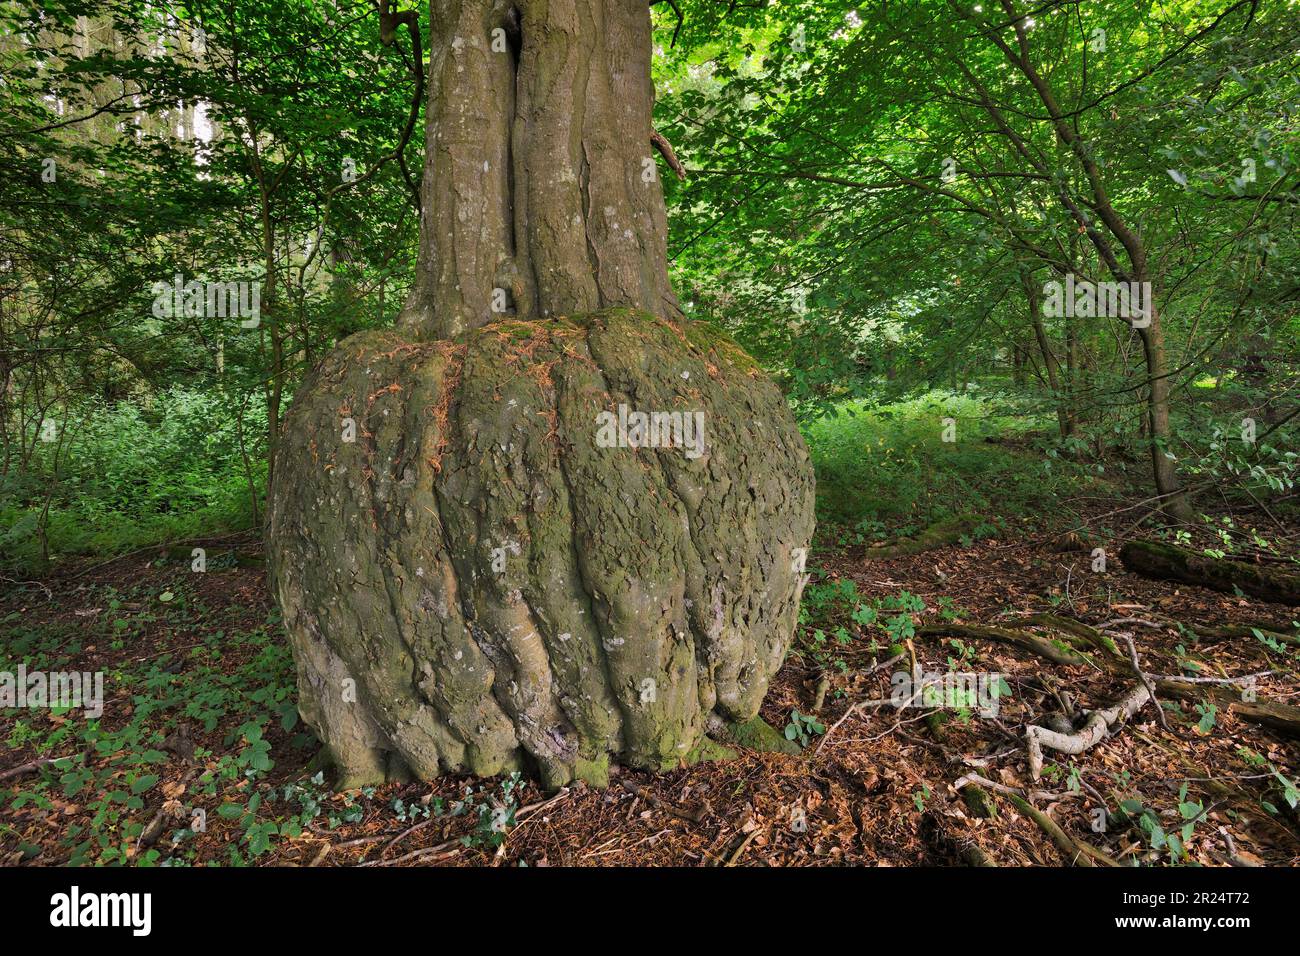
[(1054, 651), (1080, 635), (937, 535), (1145, 681), (1078, 852), (1098, 727), (1091, 855), (1281, 718)]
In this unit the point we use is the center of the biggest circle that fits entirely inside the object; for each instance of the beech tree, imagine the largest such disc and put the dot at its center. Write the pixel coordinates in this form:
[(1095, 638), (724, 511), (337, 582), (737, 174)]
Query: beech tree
[(474, 574)]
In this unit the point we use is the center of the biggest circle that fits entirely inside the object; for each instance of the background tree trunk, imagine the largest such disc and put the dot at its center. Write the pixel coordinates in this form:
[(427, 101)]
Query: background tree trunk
[(1173, 499), (1064, 422)]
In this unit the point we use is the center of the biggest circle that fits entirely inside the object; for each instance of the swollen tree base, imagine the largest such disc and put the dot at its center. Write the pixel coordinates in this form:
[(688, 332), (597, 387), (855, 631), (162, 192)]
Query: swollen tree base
[(484, 566)]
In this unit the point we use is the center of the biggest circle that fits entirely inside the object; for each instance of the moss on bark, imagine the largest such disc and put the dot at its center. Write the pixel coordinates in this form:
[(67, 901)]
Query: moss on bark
[(476, 583), (757, 734)]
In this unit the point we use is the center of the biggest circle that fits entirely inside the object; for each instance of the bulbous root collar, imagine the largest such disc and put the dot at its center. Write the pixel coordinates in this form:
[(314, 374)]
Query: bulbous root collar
[(544, 546)]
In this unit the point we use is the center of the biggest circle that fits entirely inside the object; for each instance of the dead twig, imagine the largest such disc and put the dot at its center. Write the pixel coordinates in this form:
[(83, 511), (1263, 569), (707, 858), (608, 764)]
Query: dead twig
[(666, 150), (454, 845), (32, 766), (744, 845), (695, 817), (1146, 681)]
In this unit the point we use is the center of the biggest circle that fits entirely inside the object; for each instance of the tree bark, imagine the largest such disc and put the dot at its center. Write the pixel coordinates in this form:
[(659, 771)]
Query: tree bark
[(477, 569), (541, 191), (1063, 421)]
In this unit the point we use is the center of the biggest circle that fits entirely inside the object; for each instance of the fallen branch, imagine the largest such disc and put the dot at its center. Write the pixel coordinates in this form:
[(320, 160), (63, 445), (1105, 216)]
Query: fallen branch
[(1121, 621), (446, 848), (1156, 559), (1282, 718), (1226, 632), (853, 709), (880, 666), (407, 832), (963, 783), (1244, 679)]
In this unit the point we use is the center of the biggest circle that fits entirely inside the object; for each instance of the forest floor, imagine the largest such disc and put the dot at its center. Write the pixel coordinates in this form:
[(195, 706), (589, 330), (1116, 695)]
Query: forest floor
[(200, 715)]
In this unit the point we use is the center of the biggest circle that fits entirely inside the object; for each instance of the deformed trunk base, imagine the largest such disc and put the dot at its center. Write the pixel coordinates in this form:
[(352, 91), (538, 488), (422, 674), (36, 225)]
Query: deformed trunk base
[(486, 563)]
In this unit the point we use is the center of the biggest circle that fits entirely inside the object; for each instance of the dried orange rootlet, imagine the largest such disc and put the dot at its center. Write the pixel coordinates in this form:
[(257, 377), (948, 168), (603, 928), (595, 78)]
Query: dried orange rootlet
[(539, 545)]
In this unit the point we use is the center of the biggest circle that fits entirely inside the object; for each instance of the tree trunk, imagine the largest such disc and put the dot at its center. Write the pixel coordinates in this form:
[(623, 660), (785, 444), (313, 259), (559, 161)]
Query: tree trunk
[(541, 194), (475, 577), (1063, 421), (1173, 499)]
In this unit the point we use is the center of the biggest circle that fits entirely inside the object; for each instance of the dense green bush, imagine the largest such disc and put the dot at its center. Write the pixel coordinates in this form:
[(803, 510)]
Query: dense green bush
[(883, 464), (133, 473)]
